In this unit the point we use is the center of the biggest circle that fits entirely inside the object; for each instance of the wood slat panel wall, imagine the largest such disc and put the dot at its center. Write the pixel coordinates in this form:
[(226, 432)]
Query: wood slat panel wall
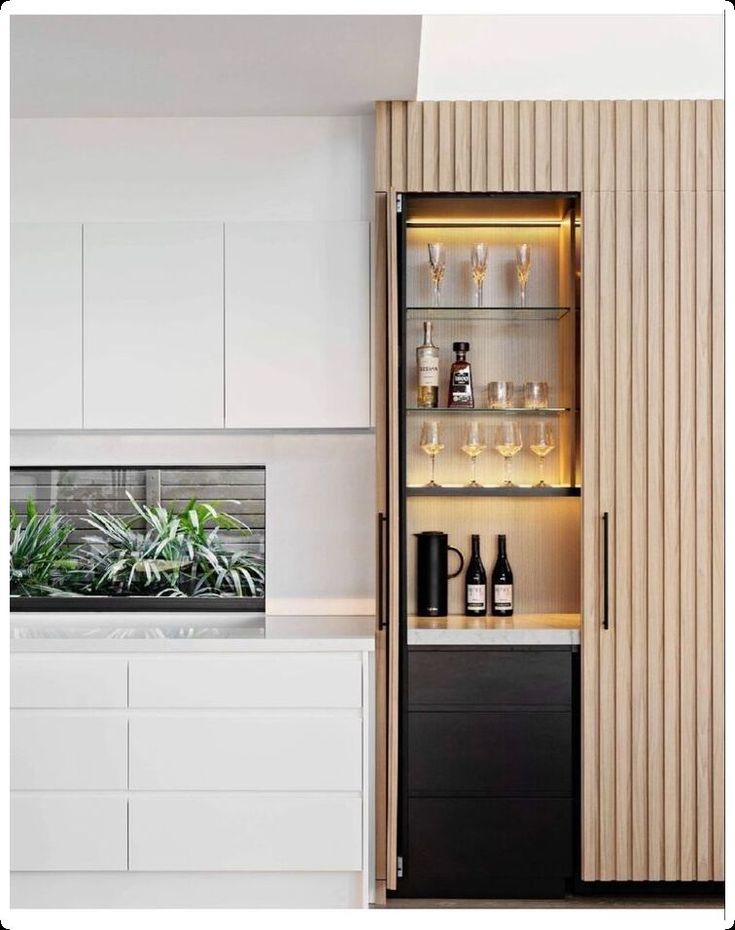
[(651, 175)]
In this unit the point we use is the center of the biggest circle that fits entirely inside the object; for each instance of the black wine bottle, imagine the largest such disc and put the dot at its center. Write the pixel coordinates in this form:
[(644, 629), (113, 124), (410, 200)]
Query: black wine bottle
[(475, 583), (502, 583)]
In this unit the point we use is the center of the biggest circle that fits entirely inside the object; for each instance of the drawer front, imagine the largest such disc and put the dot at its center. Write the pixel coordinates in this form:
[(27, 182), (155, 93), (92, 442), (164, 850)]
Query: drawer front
[(512, 754), (448, 677), (59, 751), (248, 680), (68, 833), (61, 681), (234, 753), (246, 833), (455, 842)]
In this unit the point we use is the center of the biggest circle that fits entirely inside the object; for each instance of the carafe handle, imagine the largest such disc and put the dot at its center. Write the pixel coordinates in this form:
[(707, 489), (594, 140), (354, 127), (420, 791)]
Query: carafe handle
[(461, 560)]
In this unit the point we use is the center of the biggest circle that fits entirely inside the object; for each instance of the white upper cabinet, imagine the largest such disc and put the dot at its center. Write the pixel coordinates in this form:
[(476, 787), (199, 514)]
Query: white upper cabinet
[(153, 325), (297, 323), (46, 326)]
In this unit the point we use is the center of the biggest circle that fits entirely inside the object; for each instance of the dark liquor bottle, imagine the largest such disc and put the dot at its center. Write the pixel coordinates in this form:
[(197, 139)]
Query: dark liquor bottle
[(460, 378), (475, 583), (502, 583)]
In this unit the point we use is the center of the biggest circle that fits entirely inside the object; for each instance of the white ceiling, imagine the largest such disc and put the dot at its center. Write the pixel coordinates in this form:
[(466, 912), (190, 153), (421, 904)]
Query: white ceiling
[(133, 66)]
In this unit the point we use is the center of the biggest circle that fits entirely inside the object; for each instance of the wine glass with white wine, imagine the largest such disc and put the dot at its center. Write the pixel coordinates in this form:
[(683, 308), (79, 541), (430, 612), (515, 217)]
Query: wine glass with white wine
[(432, 445), (478, 264), (542, 443), (438, 264), (473, 446), (523, 268), (508, 442)]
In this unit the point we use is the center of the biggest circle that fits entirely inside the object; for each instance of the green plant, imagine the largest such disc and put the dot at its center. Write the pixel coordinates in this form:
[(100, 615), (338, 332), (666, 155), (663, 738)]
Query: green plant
[(40, 555)]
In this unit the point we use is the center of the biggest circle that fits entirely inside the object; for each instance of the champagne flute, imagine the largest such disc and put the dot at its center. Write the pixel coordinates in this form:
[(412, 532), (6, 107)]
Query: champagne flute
[(523, 268), (438, 263), (508, 442), (542, 442), (478, 263), (432, 445), (473, 446)]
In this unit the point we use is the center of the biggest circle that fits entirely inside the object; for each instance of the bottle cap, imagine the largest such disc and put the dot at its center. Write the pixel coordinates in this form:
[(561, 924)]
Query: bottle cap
[(461, 346)]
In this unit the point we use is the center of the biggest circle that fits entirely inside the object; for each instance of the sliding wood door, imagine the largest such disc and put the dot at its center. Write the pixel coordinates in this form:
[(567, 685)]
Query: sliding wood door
[(652, 780)]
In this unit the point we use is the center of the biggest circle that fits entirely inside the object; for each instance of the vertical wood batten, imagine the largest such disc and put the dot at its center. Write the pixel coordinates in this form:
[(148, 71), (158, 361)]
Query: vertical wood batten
[(542, 144), (639, 536), (638, 146), (672, 796), (591, 152), (687, 520), (478, 145), (382, 146), (655, 145), (671, 145), (414, 146), (718, 526), (462, 145), (703, 144), (446, 146), (607, 716), (703, 445), (718, 145), (398, 145), (494, 145), (655, 531), (622, 536), (622, 146), (591, 509), (607, 145), (430, 111), (574, 145), (526, 160), (510, 145), (687, 135), (558, 145)]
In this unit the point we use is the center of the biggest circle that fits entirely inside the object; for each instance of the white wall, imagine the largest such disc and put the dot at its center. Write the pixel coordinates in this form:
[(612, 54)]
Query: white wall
[(320, 485), (571, 57)]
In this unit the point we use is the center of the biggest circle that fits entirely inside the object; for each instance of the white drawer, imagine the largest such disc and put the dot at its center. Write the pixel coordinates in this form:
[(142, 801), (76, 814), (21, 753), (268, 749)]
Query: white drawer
[(73, 681), (65, 751), (248, 680), (260, 752), (249, 833), (68, 833)]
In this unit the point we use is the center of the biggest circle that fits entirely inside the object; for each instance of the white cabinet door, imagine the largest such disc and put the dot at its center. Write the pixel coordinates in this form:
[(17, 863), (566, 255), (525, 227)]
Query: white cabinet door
[(67, 751), (250, 833), (223, 752), (297, 324), (256, 680), (46, 326), (153, 325), (49, 834), (68, 681)]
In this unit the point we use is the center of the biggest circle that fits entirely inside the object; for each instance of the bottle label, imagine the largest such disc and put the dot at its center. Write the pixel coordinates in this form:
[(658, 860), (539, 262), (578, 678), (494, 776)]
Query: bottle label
[(503, 596), (476, 596), (461, 378), (429, 372)]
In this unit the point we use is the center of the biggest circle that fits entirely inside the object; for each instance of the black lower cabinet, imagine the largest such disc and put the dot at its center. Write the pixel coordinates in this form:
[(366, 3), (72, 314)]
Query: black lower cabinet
[(488, 772)]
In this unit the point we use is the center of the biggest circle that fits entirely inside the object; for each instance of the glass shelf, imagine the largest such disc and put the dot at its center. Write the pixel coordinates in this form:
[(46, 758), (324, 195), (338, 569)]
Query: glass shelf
[(456, 490), (493, 411), (488, 314)]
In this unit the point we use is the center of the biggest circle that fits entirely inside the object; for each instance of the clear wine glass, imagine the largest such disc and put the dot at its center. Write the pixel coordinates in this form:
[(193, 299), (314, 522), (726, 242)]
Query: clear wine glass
[(432, 445), (473, 446), (542, 442), (438, 263), (478, 263), (508, 442), (523, 268)]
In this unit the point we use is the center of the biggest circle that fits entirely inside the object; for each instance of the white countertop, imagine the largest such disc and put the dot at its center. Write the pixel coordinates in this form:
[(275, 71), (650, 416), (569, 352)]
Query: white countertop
[(519, 630), (188, 632)]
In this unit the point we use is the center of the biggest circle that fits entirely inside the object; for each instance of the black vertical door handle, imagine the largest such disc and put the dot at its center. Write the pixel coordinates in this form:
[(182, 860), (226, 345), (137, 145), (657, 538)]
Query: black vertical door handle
[(605, 571), (381, 573)]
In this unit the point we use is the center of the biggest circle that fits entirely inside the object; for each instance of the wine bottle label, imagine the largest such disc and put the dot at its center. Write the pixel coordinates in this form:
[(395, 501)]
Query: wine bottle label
[(476, 596), (503, 596), (429, 372)]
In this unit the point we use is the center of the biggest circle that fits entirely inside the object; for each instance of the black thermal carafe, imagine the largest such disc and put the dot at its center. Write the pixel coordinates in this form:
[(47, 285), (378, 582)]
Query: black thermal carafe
[(432, 573)]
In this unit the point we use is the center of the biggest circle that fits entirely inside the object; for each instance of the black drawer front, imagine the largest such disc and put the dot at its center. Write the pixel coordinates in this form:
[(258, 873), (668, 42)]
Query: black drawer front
[(494, 753), (461, 842), (482, 676)]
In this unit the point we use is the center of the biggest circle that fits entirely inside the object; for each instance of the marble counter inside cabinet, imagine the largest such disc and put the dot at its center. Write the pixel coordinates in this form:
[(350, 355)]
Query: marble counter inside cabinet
[(519, 630)]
